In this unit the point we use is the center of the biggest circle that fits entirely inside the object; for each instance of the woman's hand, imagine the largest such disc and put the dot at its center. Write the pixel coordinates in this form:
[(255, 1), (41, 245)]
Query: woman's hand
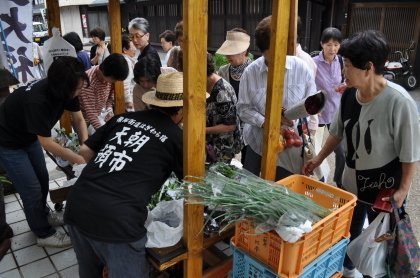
[(100, 50), (399, 197), (310, 165)]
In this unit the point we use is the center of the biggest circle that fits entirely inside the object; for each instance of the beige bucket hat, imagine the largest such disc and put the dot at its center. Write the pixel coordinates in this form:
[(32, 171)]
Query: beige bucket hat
[(235, 43)]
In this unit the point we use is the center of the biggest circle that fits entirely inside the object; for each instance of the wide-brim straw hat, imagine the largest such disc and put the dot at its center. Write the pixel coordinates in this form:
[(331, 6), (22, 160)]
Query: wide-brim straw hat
[(236, 43), (168, 92)]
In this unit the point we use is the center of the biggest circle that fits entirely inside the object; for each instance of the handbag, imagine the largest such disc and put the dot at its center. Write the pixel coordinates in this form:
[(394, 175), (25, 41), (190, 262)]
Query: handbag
[(403, 249), (367, 254)]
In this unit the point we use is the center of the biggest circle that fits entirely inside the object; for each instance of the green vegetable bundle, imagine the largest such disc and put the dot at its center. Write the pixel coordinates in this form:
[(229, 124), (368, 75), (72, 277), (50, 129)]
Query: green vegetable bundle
[(241, 194)]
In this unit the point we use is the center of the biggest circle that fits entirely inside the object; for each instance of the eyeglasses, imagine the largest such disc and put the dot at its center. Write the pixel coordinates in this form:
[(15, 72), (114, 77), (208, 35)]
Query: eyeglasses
[(136, 36)]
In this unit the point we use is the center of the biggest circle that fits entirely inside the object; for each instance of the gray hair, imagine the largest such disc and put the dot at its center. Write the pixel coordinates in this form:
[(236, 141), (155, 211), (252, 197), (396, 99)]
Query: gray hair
[(139, 23)]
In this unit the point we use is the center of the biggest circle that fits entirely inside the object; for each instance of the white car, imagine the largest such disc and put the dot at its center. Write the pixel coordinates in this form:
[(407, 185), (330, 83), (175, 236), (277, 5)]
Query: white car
[(39, 32)]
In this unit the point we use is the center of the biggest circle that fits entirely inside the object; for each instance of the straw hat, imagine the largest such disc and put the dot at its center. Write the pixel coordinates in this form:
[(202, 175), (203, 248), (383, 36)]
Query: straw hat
[(168, 92), (236, 43)]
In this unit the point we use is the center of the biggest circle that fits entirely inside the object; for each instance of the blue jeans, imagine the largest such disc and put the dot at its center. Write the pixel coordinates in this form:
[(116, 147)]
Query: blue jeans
[(253, 164), (27, 170), (122, 259), (359, 215)]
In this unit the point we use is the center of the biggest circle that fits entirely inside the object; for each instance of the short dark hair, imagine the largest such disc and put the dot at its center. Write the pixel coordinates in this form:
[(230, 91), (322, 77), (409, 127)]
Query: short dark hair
[(97, 32), (147, 67), (115, 66), (74, 39), (179, 29), (211, 68), (175, 58), (167, 110), (125, 41), (331, 33), (364, 47), (64, 76), (168, 36), (263, 34)]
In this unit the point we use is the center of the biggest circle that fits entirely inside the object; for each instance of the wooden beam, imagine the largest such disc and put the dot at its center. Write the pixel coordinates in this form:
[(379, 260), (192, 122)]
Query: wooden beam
[(194, 57), (275, 85), (53, 18), (53, 15), (291, 45), (114, 12)]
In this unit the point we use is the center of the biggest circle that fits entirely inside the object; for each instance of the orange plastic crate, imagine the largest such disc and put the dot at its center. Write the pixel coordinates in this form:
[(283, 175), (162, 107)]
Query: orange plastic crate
[(289, 259)]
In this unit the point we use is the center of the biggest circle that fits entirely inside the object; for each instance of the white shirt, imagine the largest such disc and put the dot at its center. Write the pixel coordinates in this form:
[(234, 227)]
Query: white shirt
[(307, 58), (129, 81), (299, 83)]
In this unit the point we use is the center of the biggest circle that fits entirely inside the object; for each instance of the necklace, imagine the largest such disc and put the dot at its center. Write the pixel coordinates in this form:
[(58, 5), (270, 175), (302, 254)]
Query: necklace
[(236, 71)]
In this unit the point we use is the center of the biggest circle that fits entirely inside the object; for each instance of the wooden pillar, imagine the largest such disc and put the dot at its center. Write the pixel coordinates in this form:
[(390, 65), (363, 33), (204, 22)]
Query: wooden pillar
[(293, 16), (53, 17), (275, 85), (195, 57), (114, 11)]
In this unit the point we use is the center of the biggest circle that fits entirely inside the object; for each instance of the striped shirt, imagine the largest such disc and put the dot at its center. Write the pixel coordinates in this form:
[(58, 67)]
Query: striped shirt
[(298, 84), (99, 95)]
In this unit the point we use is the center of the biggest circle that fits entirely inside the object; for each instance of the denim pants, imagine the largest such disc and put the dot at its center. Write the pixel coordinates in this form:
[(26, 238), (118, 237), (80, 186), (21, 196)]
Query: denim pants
[(28, 172), (359, 215), (253, 164), (122, 259)]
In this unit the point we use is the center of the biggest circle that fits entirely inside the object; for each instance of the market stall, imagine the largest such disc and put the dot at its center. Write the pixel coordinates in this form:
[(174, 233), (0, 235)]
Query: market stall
[(284, 18)]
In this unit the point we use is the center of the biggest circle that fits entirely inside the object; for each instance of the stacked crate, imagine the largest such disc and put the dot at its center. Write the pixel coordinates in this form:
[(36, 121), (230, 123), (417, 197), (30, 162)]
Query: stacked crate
[(326, 242)]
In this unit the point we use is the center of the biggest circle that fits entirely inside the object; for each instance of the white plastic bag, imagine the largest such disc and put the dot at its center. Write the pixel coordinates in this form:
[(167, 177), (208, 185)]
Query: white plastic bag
[(164, 224), (54, 47), (367, 255)]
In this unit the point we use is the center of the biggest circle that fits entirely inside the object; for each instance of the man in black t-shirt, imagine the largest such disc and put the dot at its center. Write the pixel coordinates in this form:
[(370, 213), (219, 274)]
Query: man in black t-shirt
[(129, 158)]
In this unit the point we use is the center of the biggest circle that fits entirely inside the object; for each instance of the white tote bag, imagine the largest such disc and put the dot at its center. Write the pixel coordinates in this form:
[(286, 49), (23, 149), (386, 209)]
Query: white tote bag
[(367, 255)]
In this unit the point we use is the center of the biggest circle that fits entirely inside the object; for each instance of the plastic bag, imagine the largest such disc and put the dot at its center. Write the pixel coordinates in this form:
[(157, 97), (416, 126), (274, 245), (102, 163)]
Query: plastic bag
[(164, 224), (367, 255), (56, 47)]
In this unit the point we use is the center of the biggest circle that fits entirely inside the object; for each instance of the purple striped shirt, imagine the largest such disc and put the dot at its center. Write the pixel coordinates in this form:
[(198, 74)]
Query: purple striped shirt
[(328, 77)]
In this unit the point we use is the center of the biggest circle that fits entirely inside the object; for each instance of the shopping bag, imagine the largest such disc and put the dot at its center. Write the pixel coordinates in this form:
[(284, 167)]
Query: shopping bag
[(403, 257), (164, 224), (368, 255), (55, 47)]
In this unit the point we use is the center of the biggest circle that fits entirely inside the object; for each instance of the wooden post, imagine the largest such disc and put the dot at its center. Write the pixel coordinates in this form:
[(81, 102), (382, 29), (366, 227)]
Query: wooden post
[(114, 12), (53, 15), (53, 18), (194, 60), (292, 42), (275, 85)]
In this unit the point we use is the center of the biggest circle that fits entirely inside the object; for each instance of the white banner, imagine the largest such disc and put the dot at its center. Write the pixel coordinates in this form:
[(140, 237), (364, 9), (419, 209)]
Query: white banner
[(16, 38)]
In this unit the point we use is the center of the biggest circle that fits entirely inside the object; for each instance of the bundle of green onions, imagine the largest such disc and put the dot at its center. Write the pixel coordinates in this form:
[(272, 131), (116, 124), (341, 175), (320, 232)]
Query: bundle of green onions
[(241, 195)]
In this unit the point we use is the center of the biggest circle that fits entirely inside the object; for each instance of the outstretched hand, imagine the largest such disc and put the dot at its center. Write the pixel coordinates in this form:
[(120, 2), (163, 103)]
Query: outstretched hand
[(310, 165)]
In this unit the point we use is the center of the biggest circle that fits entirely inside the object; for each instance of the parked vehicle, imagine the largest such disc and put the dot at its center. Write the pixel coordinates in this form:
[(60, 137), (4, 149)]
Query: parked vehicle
[(39, 32), (401, 71)]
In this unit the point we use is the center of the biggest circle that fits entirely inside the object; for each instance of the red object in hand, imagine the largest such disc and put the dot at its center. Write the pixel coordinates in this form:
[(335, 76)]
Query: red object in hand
[(341, 88), (384, 206)]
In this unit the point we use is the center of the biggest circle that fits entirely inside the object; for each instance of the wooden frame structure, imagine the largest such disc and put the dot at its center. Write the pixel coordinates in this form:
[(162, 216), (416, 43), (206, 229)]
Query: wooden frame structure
[(283, 41)]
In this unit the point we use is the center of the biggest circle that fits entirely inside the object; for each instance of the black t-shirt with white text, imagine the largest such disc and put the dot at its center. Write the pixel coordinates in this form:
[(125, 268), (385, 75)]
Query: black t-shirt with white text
[(135, 153), (30, 111)]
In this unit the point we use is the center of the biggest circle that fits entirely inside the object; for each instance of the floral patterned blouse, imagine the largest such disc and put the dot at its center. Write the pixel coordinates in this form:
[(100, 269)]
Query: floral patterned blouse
[(221, 109)]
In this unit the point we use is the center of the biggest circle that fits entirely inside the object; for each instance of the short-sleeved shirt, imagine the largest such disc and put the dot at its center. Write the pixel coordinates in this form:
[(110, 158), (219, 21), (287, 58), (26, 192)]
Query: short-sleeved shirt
[(30, 111), (135, 153), (378, 136), (221, 109), (328, 77)]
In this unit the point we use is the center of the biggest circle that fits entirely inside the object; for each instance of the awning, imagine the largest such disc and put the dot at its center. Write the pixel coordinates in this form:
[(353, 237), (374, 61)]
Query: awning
[(64, 3)]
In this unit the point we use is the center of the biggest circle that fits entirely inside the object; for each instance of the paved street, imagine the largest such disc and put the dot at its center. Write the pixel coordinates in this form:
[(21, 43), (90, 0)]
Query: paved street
[(413, 207)]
